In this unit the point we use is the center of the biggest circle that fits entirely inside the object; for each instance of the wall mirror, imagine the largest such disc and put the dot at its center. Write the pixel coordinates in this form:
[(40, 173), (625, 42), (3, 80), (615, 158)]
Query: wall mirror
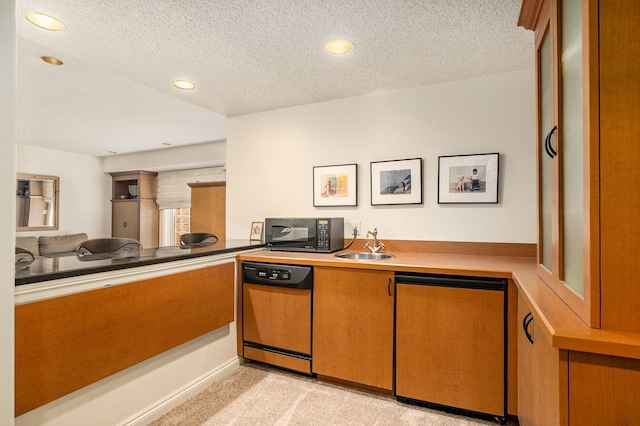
[(37, 202)]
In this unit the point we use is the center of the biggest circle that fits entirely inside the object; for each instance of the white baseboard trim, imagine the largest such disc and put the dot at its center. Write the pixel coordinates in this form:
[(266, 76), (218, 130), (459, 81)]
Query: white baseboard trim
[(176, 398)]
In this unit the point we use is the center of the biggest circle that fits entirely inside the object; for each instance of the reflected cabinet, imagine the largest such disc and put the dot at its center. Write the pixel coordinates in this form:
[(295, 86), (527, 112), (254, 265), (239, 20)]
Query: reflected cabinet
[(134, 211)]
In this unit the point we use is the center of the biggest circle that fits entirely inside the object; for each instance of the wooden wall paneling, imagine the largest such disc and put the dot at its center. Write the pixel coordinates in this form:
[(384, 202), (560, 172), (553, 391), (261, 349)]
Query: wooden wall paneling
[(68, 342)]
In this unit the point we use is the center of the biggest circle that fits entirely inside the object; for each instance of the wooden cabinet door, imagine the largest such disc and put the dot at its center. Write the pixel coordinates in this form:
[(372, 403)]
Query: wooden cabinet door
[(542, 373), (526, 409), (450, 346), (125, 219), (208, 208), (353, 325), (148, 226), (567, 151)]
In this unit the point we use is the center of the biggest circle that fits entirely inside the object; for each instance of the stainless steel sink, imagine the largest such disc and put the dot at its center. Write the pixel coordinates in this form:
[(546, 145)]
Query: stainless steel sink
[(364, 256)]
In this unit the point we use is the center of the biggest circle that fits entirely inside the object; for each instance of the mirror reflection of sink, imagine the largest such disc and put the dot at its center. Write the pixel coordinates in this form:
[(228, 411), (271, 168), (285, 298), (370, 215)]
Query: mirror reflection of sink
[(364, 256)]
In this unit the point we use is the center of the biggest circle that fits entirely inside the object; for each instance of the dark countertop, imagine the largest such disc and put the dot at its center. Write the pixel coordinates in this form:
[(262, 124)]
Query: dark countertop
[(46, 269)]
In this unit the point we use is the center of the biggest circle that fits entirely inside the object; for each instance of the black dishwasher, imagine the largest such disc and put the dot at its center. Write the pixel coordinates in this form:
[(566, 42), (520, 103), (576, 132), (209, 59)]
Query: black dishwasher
[(276, 314), (451, 341)]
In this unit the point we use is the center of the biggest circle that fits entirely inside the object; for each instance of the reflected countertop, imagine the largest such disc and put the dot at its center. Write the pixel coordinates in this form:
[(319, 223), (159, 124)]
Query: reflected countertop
[(46, 269)]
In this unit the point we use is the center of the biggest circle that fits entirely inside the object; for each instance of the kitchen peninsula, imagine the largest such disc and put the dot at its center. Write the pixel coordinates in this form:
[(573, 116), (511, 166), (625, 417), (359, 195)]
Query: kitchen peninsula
[(78, 322), (47, 269)]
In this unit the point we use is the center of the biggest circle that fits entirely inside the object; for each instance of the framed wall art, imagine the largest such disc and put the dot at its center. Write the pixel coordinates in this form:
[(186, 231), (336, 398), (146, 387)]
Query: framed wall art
[(396, 182), (335, 185), (469, 178), (257, 230)]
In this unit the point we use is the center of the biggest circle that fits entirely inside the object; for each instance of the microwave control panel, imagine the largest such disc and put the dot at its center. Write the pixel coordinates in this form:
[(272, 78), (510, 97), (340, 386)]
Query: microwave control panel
[(323, 234)]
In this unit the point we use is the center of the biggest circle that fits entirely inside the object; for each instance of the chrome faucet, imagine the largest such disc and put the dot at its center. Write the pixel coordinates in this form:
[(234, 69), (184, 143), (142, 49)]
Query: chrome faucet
[(377, 246)]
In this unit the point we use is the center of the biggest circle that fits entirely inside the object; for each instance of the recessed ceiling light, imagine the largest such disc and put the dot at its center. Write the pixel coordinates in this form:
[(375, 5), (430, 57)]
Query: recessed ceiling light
[(44, 21), (166, 144), (338, 47), (112, 152), (184, 84), (51, 60)]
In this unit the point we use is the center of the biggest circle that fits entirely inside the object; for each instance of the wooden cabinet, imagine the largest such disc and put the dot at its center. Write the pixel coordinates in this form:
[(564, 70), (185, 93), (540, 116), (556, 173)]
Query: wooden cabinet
[(542, 373), (134, 212), (450, 344), (588, 54), (567, 149), (612, 384), (353, 325), (208, 208)]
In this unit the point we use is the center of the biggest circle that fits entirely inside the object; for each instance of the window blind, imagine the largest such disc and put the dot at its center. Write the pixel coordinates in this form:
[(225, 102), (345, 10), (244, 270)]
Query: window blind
[(174, 191)]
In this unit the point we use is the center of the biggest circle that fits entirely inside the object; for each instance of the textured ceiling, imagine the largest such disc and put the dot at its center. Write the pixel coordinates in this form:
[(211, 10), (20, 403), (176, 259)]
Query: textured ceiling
[(114, 90)]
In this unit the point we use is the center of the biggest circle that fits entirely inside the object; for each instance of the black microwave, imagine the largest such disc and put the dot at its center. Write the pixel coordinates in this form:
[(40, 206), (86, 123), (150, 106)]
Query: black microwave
[(322, 235)]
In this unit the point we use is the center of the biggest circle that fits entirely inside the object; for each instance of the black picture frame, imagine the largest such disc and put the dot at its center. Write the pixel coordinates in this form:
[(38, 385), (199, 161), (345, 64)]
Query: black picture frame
[(396, 182), (469, 178)]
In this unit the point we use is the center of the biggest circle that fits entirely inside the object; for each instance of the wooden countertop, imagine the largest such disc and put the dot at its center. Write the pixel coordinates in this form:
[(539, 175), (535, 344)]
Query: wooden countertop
[(562, 326)]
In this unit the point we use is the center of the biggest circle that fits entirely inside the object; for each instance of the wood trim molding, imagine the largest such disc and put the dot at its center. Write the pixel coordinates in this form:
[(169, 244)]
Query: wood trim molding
[(452, 247), (529, 13), (206, 184)]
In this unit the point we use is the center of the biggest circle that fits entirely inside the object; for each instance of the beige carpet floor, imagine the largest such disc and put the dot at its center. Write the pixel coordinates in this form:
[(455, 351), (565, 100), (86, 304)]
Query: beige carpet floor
[(259, 395)]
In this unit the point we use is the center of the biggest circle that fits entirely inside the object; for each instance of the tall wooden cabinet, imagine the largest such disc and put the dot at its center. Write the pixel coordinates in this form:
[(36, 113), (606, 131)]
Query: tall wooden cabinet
[(587, 59), (134, 212)]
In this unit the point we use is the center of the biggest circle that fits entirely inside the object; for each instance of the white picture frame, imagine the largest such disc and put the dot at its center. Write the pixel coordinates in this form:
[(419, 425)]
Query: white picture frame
[(257, 231)]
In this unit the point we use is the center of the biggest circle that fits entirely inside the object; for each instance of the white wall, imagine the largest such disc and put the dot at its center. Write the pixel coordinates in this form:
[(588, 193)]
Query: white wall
[(270, 157), (7, 200), (85, 190)]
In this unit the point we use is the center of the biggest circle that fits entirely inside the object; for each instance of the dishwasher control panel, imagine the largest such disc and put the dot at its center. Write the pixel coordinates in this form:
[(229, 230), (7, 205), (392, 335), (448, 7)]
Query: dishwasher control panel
[(274, 274), (294, 276)]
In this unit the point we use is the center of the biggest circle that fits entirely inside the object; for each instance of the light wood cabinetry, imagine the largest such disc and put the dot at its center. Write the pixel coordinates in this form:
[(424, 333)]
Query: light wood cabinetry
[(450, 346), (65, 343), (208, 208), (588, 54), (353, 325), (605, 390), (542, 373), (567, 149), (134, 212)]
